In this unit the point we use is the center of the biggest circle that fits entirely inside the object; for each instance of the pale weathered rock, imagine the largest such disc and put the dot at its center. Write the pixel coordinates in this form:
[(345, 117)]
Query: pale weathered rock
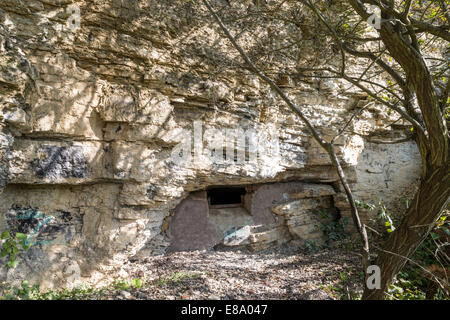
[(268, 236), (94, 118), (238, 237), (301, 205), (313, 190)]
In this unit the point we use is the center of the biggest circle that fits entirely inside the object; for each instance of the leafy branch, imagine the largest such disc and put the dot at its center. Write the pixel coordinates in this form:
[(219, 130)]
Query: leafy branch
[(11, 244)]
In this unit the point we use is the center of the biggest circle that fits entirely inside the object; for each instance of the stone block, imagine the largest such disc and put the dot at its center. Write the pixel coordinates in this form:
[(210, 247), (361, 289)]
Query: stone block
[(57, 162), (132, 161), (268, 236), (150, 107), (313, 190), (305, 232), (297, 206)]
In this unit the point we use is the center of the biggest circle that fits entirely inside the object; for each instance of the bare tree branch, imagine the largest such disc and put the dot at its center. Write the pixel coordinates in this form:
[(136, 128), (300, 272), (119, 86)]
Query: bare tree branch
[(406, 9), (379, 61), (329, 147), (355, 114)]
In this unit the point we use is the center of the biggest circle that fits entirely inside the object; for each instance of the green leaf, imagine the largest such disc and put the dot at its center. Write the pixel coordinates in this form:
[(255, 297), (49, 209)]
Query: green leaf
[(14, 264), (137, 283), (25, 284), (5, 235), (21, 236)]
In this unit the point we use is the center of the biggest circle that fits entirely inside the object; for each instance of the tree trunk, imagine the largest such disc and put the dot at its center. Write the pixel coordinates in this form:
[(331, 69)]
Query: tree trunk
[(432, 197)]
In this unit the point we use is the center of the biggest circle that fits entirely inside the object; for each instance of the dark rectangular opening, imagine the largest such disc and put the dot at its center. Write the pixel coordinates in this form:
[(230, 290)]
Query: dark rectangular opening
[(226, 197)]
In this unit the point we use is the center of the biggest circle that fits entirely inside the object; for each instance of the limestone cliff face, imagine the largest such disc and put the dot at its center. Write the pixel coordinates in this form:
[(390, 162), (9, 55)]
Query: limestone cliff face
[(90, 116)]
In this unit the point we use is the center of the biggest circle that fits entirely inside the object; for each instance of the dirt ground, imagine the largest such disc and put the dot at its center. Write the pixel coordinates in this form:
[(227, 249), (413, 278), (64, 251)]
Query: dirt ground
[(286, 272)]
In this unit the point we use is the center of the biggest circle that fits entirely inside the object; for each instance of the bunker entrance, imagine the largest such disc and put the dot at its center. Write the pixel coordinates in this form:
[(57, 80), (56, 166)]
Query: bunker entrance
[(254, 216)]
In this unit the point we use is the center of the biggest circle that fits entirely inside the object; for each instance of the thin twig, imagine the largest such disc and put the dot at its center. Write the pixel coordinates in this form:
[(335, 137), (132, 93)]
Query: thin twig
[(415, 263), (329, 147)]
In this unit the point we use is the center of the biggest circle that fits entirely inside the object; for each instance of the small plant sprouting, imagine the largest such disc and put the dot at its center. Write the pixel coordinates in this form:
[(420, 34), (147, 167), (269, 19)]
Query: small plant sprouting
[(136, 283), (11, 244), (382, 214)]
